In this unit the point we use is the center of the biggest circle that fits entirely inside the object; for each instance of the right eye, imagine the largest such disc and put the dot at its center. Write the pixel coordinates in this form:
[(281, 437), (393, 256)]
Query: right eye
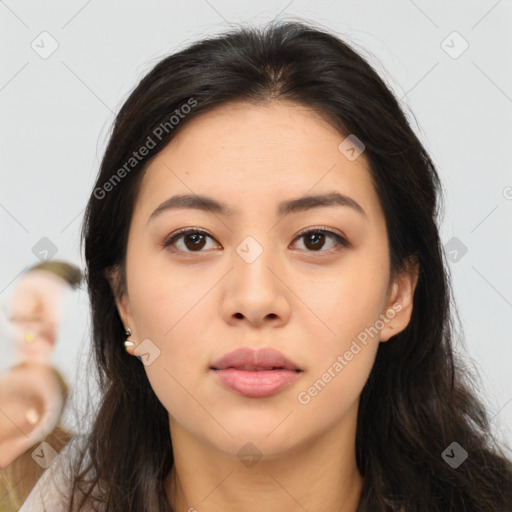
[(193, 239)]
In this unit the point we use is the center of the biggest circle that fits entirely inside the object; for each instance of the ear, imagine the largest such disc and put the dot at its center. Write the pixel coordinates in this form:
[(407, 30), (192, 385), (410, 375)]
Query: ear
[(398, 311), (122, 300)]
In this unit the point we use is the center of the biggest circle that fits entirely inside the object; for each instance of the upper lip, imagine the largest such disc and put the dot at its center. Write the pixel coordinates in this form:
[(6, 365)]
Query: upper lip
[(247, 358)]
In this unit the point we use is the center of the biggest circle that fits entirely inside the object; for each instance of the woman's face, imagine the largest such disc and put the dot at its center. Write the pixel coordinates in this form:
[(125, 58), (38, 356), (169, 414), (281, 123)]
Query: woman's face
[(254, 281)]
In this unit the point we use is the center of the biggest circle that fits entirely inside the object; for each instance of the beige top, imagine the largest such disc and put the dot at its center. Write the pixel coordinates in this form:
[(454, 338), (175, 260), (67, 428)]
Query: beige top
[(52, 489)]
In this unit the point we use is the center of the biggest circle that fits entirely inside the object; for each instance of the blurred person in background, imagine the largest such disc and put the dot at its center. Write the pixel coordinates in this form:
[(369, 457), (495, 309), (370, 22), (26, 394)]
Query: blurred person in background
[(32, 392)]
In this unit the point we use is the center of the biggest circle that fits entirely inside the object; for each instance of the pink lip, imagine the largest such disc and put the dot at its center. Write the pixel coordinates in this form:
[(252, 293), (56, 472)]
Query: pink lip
[(256, 373), (263, 358)]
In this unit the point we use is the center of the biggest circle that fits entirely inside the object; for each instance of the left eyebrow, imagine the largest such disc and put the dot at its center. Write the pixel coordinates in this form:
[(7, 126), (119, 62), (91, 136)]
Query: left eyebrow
[(319, 201), (205, 203)]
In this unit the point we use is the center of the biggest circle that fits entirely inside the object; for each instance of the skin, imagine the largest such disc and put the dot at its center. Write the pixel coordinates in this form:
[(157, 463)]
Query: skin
[(30, 404), (30, 395), (309, 304), (35, 312)]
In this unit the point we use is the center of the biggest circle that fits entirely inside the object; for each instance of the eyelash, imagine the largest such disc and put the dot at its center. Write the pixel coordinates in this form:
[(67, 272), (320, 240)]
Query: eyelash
[(173, 238)]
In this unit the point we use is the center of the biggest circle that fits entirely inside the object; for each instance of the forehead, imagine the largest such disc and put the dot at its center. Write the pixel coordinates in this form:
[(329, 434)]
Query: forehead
[(246, 154), (38, 287), (41, 278), (237, 130)]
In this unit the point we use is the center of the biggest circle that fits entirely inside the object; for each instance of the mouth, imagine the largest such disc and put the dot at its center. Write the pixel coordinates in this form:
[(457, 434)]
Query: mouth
[(258, 383), (256, 374), (250, 359), (252, 368)]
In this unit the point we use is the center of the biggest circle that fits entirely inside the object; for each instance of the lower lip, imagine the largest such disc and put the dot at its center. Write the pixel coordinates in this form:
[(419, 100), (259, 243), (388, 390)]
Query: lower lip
[(257, 383)]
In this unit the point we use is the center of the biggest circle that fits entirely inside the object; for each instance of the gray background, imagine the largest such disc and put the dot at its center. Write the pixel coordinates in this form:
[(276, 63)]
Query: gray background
[(56, 112)]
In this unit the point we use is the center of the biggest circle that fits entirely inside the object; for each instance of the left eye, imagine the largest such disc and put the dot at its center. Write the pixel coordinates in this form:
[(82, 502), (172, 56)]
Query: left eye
[(316, 236), (194, 239)]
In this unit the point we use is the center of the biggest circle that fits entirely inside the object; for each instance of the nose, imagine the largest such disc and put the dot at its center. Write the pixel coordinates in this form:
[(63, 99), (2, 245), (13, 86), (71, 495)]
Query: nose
[(256, 292)]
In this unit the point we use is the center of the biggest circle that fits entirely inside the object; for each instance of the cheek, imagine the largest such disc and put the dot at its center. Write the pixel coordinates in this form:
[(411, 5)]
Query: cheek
[(168, 310), (344, 355), (331, 396), (178, 376), (345, 302), (349, 303)]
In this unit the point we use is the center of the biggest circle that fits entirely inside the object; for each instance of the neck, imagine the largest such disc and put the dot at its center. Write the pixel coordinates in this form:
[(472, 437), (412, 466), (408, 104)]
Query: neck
[(317, 475)]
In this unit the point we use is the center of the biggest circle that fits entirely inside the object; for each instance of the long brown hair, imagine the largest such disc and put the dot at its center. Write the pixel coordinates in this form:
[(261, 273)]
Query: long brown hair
[(418, 399)]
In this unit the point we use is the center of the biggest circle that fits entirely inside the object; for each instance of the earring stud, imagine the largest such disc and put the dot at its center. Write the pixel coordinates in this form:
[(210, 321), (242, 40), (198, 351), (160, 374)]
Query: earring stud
[(128, 343)]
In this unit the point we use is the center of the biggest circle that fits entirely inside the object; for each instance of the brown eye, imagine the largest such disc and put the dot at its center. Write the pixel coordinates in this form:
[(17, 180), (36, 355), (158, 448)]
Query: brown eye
[(194, 240), (315, 239)]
